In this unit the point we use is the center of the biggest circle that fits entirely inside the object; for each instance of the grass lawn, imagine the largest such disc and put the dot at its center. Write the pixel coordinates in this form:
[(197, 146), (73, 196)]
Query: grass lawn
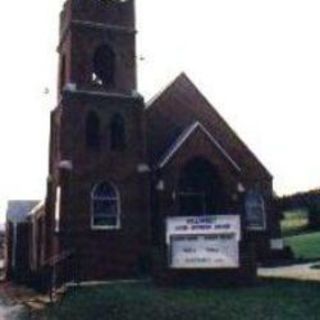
[(294, 222), (283, 300), (305, 246), (304, 243)]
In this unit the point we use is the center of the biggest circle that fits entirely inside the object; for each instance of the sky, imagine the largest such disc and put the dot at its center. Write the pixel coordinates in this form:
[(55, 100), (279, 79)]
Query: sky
[(257, 61)]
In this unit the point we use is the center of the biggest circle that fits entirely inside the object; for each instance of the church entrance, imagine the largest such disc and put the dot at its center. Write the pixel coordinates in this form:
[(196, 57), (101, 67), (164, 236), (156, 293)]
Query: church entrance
[(199, 189), (203, 236)]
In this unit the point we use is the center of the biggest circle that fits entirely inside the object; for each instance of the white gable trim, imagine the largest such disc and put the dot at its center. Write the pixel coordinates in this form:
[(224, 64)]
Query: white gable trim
[(35, 209), (184, 137)]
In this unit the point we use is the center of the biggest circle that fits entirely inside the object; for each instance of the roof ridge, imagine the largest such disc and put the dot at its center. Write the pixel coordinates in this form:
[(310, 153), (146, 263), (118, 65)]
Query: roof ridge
[(183, 76), (159, 93)]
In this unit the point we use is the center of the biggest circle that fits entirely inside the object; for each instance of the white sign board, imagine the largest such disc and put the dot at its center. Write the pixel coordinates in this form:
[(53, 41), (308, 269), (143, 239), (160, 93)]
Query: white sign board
[(204, 252), (204, 242), (204, 225)]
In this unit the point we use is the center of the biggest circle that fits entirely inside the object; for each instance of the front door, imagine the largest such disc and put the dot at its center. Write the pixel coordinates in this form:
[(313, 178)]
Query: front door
[(200, 190)]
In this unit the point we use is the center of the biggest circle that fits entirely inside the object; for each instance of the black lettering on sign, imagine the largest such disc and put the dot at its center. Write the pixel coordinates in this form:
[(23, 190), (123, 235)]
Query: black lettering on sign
[(197, 260), (201, 227), (194, 238), (200, 220), (212, 250), (211, 237), (223, 226), (182, 228)]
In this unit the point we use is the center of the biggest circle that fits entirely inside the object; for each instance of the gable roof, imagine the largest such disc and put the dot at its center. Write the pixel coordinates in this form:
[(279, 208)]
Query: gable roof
[(18, 210), (162, 91), (185, 136), (176, 108)]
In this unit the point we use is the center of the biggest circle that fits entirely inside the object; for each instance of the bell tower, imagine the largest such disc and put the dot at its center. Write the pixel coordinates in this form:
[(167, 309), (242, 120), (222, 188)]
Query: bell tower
[(97, 45), (99, 182)]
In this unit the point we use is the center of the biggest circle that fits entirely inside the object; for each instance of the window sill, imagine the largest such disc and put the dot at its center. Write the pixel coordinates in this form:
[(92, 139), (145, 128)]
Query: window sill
[(103, 228), (256, 229)]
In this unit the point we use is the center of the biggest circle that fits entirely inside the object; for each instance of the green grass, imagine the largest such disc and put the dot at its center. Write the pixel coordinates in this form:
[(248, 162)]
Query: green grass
[(305, 246), (276, 300), (294, 222), (304, 243)]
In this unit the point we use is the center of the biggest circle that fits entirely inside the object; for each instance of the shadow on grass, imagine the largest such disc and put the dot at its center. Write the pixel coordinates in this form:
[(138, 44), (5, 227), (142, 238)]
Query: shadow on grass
[(288, 263), (297, 231), (315, 267)]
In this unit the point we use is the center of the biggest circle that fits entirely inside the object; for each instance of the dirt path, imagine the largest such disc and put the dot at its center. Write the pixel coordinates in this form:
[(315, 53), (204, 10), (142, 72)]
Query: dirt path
[(17, 312), (306, 272), (19, 302), (10, 308)]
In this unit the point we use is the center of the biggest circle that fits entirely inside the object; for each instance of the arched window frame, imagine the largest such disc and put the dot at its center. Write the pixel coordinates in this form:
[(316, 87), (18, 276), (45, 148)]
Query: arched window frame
[(118, 135), (104, 80), (116, 198), (257, 204), (92, 143)]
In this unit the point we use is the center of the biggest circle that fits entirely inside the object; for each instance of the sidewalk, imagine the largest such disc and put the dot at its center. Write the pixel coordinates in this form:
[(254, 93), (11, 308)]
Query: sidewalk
[(303, 272)]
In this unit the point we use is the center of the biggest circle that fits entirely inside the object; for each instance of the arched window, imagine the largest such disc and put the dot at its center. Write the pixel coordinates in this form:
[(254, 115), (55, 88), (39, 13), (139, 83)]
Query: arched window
[(117, 133), (105, 206), (92, 131), (255, 211), (104, 63)]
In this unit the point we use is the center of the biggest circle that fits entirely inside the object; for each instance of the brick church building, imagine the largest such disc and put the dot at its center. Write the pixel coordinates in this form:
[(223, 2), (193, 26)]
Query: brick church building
[(120, 167)]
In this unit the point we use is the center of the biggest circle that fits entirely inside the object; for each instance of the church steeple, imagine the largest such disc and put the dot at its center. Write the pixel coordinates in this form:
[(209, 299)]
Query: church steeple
[(97, 46)]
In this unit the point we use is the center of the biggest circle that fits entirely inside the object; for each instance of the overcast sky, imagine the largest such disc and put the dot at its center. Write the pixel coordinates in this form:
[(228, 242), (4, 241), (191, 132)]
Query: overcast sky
[(257, 61)]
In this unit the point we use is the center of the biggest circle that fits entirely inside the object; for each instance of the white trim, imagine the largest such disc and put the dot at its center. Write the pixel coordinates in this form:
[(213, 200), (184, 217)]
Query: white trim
[(160, 185), (57, 209), (97, 228), (118, 198), (70, 86), (105, 94), (65, 164), (143, 168), (37, 208), (103, 283), (104, 26), (256, 228), (184, 137)]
